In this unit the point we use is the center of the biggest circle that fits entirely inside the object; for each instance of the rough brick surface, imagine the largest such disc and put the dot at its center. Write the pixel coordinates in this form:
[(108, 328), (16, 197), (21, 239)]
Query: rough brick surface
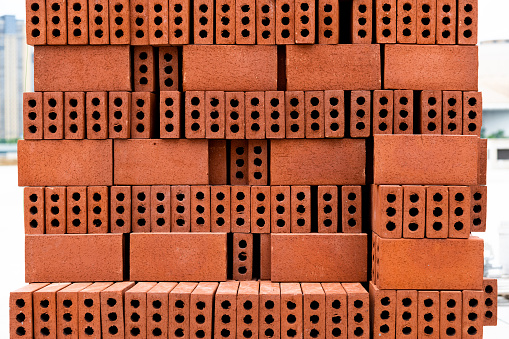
[(328, 216), (451, 303), (490, 301), (21, 308), (33, 119), (160, 211), (36, 22), (35, 222), (112, 309), (158, 309), (358, 310), (67, 310), (225, 308), (139, 16), (74, 115), (55, 210), (383, 112), (385, 18), (295, 114), (98, 204), (446, 22), (437, 212), (265, 22), (76, 209), (179, 302), (403, 112), (99, 24), (452, 116)]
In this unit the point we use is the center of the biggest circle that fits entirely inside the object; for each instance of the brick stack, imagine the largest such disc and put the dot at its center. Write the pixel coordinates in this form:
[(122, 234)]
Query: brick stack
[(201, 169)]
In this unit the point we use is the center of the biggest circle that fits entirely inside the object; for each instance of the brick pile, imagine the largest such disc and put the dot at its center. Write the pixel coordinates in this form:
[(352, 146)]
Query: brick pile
[(253, 169)]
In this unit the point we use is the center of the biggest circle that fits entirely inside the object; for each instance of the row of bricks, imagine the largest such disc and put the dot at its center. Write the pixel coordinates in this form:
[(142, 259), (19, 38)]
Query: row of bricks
[(243, 68), (232, 309), (178, 22), (237, 209), (428, 211)]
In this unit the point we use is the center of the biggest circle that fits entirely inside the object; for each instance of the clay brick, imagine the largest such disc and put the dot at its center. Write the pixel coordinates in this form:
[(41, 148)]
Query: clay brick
[(291, 310), (158, 309), (383, 311), (56, 22), (411, 264), (242, 256), (260, 209), (236, 68), (172, 259), (357, 67), (111, 71), (240, 209), (239, 153), (334, 114), (450, 314), (180, 22), (45, 310), (76, 209), (478, 205), (255, 115), (140, 16), (33, 115), (383, 112), (160, 211), (270, 310), (77, 22), (444, 68), (265, 22), (265, 256), (358, 310), (328, 22), (490, 302), (406, 21), (21, 311), (434, 159), (112, 309), (314, 114), (225, 22), (143, 108), (215, 115), (351, 209), (300, 202), (295, 114), (459, 211), (472, 113), (472, 315), (483, 161), (314, 263), (200, 208), (247, 309), (314, 310), (280, 214), (141, 208), (55, 210), (136, 316), (467, 22), (204, 22), (35, 222), (403, 112), (180, 301), (225, 309), (202, 310), (452, 112), (387, 203), (36, 23), (437, 212), (305, 22), (67, 310), (274, 114), (426, 21), (285, 22), (431, 112), (119, 115), (414, 211), (158, 17), (144, 73), (428, 310), (218, 167), (169, 65), (328, 219), (220, 209), (169, 106), (74, 115), (258, 162), (195, 114), (235, 115), (53, 109), (362, 21), (406, 313), (98, 209), (89, 309), (96, 115), (385, 19), (98, 18), (296, 162), (120, 28), (245, 23), (360, 114), (120, 209), (335, 310), (180, 208), (446, 22)]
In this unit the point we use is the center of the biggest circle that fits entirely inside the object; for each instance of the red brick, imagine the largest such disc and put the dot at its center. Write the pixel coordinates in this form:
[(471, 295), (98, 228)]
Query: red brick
[(96, 115), (218, 173), (414, 211), (360, 114), (314, 310), (335, 311), (169, 124), (406, 21), (141, 208), (76, 209), (21, 311), (383, 112), (467, 23), (74, 115), (334, 114), (77, 22), (328, 22), (295, 114), (275, 114), (243, 256), (55, 210), (387, 204), (308, 67), (450, 314), (291, 310), (181, 208), (53, 109), (220, 208), (472, 315), (180, 22), (74, 257), (446, 22), (202, 310), (214, 114), (158, 17), (160, 211), (270, 310), (426, 21), (280, 207), (89, 309), (112, 309), (314, 263), (452, 116), (35, 222), (260, 209), (225, 309), (257, 162), (358, 310), (247, 309), (140, 15), (437, 212), (300, 202), (144, 73), (120, 28), (265, 256), (33, 115), (56, 22), (245, 32), (483, 161), (203, 18), (406, 313), (195, 114), (305, 22), (383, 311), (472, 113), (180, 301), (362, 21), (235, 68), (200, 208), (490, 302), (459, 211), (36, 24), (67, 310), (143, 107), (240, 209), (172, 259), (351, 209), (431, 112), (255, 115), (120, 209), (225, 22), (385, 18), (111, 71), (428, 310), (235, 115), (98, 18), (158, 309), (265, 22), (45, 310), (328, 219), (314, 114), (403, 112), (239, 162), (169, 65), (478, 205), (119, 115), (136, 317), (98, 209), (285, 22)]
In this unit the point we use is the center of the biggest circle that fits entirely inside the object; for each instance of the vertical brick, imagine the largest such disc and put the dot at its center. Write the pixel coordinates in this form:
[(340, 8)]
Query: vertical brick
[(295, 114), (301, 209), (214, 115), (467, 22), (74, 115), (285, 22), (140, 15), (144, 69), (270, 314), (56, 22), (97, 115), (383, 311), (89, 309), (220, 209), (240, 209), (45, 310), (33, 113), (67, 310), (274, 115), (334, 114), (242, 256), (305, 22), (180, 22), (160, 211), (490, 301), (181, 208), (36, 22), (112, 309), (77, 22), (383, 111), (403, 111), (235, 115), (99, 24), (239, 162), (180, 301), (358, 310), (478, 205), (76, 209), (53, 108), (119, 115), (328, 22), (314, 310), (55, 210), (459, 211), (140, 208), (483, 161), (360, 114), (452, 112), (437, 212), (431, 112), (157, 309), (245, 23), (472, 315), (351, 209), (429, 314), (202, 310), (247, 309), (225, 309), (446, 22), (204, 22), (265, 259), (168, 69), (142, 115), (218, 162), (225, 22), (314, 114), (98, 209), (120, 29), (335, 310), (450, 314), (120, 209), (406, 21), (200, 208), (414, 211), (195, 114), (33, 198), (406, 313), (385, 16), (169, 107), (136, 310), (158, 17), (328, 220), (291, 311), (280, 210), (265, 22), (362, 21), (260, 209), (255, 115), (472, 113), (426, 21), (388, 213), (258, 171)]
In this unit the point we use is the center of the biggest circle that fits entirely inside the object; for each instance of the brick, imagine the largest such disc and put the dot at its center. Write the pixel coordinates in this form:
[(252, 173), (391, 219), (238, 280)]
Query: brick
[(483, 161), (240, 209), (362, 21), (33, 211), (472, 113), (53, 120), (358, 310), (111, 71), (351, 209), (383, 111), (426, 21), (158, 309), (478, 205), (120, 209), (144, 73), (265, 256), (472, 315), (450, 313), (285, 22), (467, 22), (96, 115), (406, 21), (334, 114), (239, 162), (89, 309), (98, 18), (247, 309), (36, 23), (265, 22), (328, 219), (232, 70), (120, 28), (437, 212), (143, 117), (360, 114), (225, 22), (258, 162), (452, 112), (435, 154), (169, 124), (119, 115), (459, 211), (202, 310), (195, 114), (141, 208), (112, 309), (296, 162), (225, 309), (203, 18), (98, 209), (307, 67), (314, 263), (74, 115), (243, 256), (140, 22), (411, 264), (328, 22), (67, 310), (56, 22), (295, 114), (180, 22), (291, 310), (45, 310), (74, 257), (235, 115), (172, 259), (76, 209), (169, 65), (403, 112), (160, 211), (300, 213), (274, 114), (314, 114), (280, 214), (260, 209), (245, 23), (55, 210), (136, 309), (406, 313), (385, 18), (383, 311), (200, 208), (180, 301), (255, 115), (428, 310), (218, 172), (387, 219), (335, 310), (270, 310), (314, 308), (181, 209), (33, 115), (21, 311), (158, 17), (431, 112), (220, 209), (77, 22), (305, 22), (414, 211), (214, 115), (446, 22), (490, 302)]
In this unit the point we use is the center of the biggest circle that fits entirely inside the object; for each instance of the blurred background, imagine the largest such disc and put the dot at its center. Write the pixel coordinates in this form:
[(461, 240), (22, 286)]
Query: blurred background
[(16, 77)]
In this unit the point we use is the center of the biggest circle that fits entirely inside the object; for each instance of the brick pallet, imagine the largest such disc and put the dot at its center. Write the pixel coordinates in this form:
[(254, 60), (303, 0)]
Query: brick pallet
[(253, 169)]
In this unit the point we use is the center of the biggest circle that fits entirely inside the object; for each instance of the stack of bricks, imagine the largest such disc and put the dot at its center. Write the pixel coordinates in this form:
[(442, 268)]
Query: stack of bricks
[(253, 169)]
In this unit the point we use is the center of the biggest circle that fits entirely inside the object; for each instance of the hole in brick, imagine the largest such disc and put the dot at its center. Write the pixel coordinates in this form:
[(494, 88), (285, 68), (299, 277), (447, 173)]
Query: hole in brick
[(473, 302), (88, 317), (113, 330), (437, 226), (112, 316), (406, 330), (428, 317), (428, 302), (179, 318), (111, 302), (472, 330), (390, 226), (472, 316), (200, 319), (358, 332), (406, 315), (20, 317), (390, 211), (358, 317)]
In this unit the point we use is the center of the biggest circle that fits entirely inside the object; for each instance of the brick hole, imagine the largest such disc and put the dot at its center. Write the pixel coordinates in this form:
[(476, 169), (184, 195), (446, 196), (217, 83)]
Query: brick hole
[(428, 317), (112, 316), (111, 302), (472, 316), (247, 319), (406, 316), (428, 302), (428, 330), (179, 332), (390, 226), (406, 302), (135, 331), (113, 330), (413, 211), (67, 331), (88, 302), (406, 330), (413, 227), (179, 318), (358, 331), (473, 302), (45, 331), (156, 317), (200, 319), (225, 333), (88, 317), (20, 317)]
